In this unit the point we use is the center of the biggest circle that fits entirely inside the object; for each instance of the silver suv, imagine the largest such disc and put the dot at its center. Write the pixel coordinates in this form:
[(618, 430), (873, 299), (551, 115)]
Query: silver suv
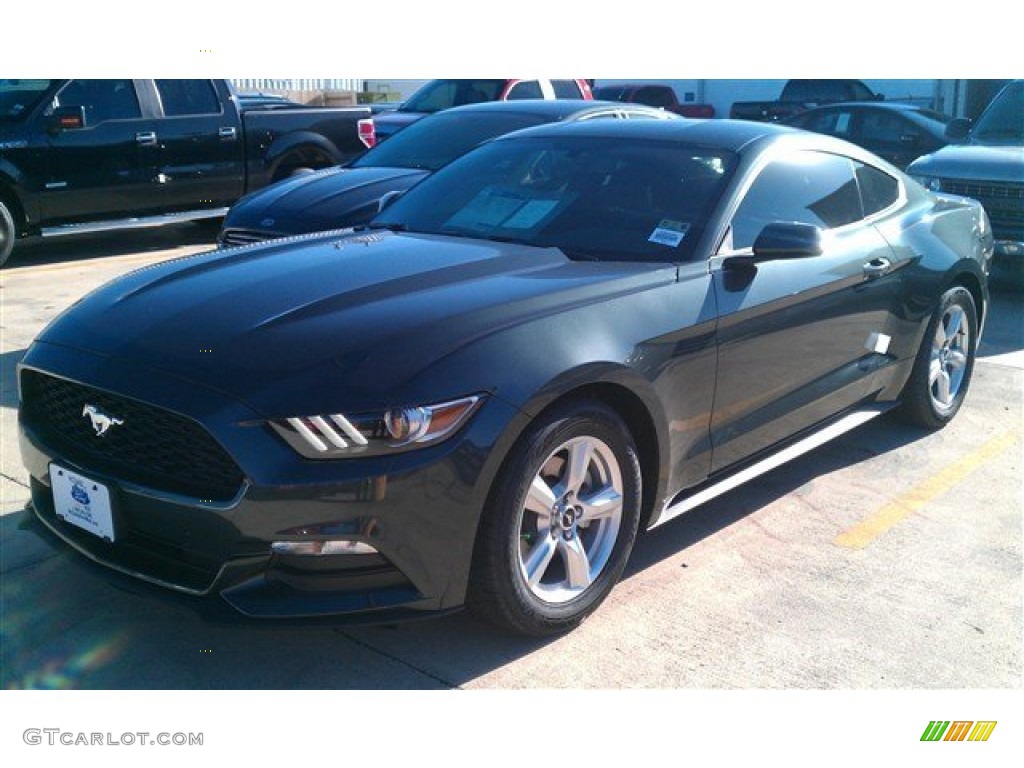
[(988, 165)]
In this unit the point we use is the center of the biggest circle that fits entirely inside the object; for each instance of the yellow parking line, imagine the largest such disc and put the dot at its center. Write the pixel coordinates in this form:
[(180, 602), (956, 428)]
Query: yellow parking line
[(867, 530)]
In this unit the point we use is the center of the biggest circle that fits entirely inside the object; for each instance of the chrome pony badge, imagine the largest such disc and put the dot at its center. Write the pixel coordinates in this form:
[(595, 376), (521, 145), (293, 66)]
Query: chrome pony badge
[(101, 422)]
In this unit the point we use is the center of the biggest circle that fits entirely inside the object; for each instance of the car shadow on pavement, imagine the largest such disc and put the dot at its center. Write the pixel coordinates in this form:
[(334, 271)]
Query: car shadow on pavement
[(37, 251), (68, 626)]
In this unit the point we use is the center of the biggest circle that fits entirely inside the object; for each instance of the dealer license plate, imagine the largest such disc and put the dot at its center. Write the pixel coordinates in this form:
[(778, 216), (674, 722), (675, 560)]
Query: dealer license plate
[(82, 502)]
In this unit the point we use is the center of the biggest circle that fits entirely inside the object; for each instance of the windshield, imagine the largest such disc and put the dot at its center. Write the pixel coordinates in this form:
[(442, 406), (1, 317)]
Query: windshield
[(595, 198), (1003, 120), (445, 94), (19, 97), (439, 139), (610, 93)]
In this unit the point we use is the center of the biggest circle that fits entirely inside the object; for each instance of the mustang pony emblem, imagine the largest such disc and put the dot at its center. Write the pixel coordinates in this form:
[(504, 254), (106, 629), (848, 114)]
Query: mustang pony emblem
[(101, 422)]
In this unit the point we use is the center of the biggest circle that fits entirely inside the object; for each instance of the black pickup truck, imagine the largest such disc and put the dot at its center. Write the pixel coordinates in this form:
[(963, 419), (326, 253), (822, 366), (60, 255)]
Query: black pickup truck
[(90, 155), (800, 95)]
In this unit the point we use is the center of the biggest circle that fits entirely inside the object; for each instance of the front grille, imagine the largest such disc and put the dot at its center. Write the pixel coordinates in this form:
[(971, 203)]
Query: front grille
[(232, 237), (152, 447), (984, 189)]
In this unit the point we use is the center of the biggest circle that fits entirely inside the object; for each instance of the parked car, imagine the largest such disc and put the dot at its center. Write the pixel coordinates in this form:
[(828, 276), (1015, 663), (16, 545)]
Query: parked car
[(445, 94), (87, 155), (653, 95), (571, 332), (899, 133), (800, 95), (988, 165), (350, 195)]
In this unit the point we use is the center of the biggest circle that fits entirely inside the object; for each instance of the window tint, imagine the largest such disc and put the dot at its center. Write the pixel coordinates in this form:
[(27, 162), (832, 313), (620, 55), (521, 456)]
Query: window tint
[(566, 89), (438, 139), (444, 94), (860, 91), (805, 187), (814, 90), (525, 89), (654, 97), (610, 93), (833, 122), (878, 189), (102, 99), (879, 127), (188, 97)]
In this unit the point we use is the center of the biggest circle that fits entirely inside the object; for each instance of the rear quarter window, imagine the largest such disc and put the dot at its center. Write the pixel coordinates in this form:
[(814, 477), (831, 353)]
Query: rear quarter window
[(566, 89), (878, 189)]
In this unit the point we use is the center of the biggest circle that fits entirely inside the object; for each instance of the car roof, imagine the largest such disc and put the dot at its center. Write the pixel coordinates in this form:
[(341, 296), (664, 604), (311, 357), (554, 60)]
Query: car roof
[(554, 109), (730, 135)]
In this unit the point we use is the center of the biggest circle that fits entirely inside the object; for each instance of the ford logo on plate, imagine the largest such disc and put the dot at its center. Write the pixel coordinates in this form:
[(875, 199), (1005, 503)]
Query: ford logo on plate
[(78, 494)]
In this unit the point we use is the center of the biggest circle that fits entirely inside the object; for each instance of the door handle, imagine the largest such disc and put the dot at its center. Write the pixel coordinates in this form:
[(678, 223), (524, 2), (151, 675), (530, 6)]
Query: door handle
[(877, 267), (228, 134), (145, 138)]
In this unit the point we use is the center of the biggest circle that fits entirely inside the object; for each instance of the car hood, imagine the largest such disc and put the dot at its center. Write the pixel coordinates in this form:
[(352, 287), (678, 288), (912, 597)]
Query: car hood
[(332, 199), (300, 325), (972, 161)]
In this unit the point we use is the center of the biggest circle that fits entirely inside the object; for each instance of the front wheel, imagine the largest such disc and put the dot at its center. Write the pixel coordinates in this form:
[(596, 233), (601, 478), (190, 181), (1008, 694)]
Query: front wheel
[(7, 233), (560, 523), (942, 371)]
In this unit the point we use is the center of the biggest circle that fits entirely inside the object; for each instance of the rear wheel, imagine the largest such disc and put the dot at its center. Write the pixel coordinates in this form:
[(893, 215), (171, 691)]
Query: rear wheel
[(302, 161), (942, 371), (7, 233), (560, 524)]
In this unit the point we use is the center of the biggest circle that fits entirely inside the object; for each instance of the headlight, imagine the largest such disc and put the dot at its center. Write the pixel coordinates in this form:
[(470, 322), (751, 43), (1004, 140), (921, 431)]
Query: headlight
[(932, 183), (335, 436)]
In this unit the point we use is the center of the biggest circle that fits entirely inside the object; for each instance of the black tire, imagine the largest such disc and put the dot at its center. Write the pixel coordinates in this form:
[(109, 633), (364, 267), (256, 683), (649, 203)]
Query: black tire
[(939, 381), (7, 233), (499, 589)]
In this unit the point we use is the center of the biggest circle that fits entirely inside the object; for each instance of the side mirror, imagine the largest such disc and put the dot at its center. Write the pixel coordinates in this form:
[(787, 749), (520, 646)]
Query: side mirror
[(957, 130), (66, 119), (787, 241), (387, 199)]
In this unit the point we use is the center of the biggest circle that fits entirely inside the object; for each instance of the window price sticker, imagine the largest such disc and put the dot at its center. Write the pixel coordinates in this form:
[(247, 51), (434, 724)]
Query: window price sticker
[(670, 233)]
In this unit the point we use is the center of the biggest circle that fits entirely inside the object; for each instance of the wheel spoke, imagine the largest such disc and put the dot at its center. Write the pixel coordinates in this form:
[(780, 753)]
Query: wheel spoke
[(934, 371), (577, 564), (954, 324), (538, 560), (956, 359), (943, 388), (607, 502), (540, 499), (580, 453)]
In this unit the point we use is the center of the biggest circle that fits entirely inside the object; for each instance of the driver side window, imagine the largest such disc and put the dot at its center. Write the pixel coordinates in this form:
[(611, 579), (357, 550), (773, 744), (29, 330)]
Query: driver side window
[(802, 187), (102, 99)]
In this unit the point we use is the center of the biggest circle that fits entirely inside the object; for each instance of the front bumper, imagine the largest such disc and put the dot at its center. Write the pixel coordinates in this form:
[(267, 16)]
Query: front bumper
[(418, 511)]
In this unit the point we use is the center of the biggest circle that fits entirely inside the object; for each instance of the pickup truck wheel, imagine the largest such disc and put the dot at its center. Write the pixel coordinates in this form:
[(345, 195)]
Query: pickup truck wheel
[(560, 523), (942, 371), (7, 233), (302, 161)]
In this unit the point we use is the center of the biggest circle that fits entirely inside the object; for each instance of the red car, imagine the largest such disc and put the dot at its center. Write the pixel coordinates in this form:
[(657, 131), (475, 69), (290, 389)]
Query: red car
[(444, 94)]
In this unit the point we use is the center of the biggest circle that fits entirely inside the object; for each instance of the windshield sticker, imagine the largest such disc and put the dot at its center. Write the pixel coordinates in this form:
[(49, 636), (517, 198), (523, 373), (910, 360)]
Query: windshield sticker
[(531, 214), (500, 209), (670, 233), (488, 209)]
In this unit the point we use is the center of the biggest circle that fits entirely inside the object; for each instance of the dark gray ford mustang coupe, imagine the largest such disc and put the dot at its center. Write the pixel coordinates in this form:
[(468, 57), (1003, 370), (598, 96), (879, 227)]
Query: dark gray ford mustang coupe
[(569, 333)]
